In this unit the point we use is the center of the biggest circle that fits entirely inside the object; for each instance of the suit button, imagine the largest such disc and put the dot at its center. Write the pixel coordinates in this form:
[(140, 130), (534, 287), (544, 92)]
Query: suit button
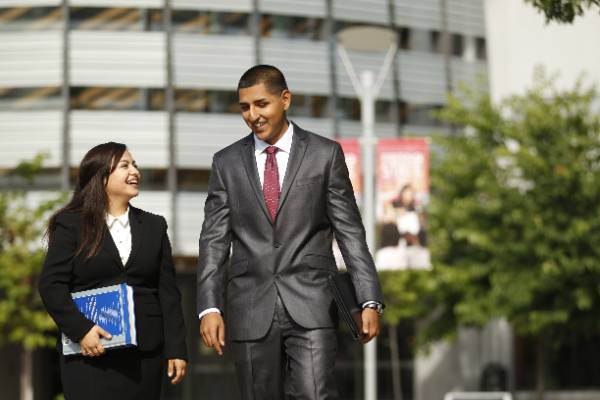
[(276, 245)]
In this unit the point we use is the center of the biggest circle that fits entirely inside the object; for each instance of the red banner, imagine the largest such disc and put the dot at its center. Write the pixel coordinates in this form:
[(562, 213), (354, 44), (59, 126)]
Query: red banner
[(402, 195), (402, 176)]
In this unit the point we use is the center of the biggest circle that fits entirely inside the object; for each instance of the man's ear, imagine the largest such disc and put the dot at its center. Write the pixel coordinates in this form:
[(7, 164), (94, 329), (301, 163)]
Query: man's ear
[(286, 97)]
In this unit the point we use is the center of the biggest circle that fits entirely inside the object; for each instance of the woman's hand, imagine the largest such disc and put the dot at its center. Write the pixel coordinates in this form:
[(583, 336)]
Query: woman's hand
[(90, 344), (176, 370)]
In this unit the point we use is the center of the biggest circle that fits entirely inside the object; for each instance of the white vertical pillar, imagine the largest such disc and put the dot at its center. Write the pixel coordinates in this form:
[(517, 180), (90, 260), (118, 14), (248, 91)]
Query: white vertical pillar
[(368, 164)]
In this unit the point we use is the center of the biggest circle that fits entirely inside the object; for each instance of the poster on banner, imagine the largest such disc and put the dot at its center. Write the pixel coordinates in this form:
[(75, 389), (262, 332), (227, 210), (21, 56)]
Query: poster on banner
[(402, 182)]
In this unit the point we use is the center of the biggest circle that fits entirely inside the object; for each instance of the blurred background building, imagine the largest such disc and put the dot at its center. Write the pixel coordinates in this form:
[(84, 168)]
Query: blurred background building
[(519, 41), (160, 76)]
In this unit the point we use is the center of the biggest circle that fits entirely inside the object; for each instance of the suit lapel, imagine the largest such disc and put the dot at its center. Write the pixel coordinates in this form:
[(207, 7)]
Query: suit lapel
[(111, 246), (249, 160), (299, 145), (136, 226)]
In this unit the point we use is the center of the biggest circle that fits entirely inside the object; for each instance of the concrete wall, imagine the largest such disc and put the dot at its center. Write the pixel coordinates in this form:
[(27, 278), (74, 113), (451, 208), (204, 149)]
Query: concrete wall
[(457, 365), (518, 39)]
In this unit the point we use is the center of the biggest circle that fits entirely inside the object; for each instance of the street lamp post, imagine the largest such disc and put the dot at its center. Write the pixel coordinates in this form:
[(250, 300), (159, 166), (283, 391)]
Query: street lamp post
[(368, 39)]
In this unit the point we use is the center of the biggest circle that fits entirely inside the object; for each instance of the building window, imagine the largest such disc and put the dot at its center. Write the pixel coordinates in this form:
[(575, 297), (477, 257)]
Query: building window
[(207, 22), (231, 23), (275, 26), (384, 111), (44, 98), (348, 109), (423, 114), (307, 28), (404, 37), (402, 117), (109, 98), (153, 99), (154, 20), (319, 106), (224, 102), (191, 21), (153, 179), (195, 180), (457, 45), (281, 26), (308, 106), (109, 19), (45, 179), (480, 49), (435, 42), (192, 100), (30, 19), (206, 101)]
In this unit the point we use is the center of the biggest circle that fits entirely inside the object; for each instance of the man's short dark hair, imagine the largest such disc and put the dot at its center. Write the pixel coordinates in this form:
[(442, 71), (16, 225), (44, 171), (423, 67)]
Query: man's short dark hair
[(268, 75)]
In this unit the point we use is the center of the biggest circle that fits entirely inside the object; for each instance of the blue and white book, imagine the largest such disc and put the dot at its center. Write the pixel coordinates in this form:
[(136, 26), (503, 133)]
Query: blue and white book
[(112, 309)]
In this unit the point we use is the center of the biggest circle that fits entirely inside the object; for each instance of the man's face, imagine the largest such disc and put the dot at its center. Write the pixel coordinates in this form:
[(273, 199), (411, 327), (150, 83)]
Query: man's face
[(264, 112)]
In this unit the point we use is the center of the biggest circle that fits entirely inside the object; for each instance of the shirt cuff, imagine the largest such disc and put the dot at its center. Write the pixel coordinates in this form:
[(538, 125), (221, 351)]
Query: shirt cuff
[(367, 303), (208, 311)]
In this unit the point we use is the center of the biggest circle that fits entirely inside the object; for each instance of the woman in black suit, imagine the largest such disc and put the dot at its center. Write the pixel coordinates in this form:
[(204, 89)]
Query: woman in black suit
[(98, 239)]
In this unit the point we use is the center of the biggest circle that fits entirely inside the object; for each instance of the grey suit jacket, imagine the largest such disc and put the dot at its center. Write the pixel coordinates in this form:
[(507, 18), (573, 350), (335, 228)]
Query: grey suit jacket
[(293, 255)]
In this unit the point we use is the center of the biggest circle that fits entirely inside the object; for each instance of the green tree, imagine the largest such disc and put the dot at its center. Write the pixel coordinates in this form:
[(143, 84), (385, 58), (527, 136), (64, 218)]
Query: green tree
[(514, 217), (23, 320), (409, 296), (563, 11)]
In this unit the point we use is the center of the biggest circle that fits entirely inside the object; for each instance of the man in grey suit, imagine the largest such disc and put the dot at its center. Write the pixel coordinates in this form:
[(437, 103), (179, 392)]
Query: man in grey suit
[(276, 199)]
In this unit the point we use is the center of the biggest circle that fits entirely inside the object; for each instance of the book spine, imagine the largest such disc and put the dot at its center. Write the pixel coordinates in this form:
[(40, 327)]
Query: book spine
[(131, 313), (124, 303)]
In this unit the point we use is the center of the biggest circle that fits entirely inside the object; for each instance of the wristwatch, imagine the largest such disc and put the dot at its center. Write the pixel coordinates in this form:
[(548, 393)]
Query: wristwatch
[(375, 306)]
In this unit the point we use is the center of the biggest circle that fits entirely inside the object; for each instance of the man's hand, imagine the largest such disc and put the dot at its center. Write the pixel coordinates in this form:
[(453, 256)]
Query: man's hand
[(176, 370), (90, 344), (212, 330), (370, 324)]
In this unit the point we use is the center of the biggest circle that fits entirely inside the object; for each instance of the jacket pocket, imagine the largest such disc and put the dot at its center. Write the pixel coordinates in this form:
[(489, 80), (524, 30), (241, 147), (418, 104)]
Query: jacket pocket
[(320, 261)]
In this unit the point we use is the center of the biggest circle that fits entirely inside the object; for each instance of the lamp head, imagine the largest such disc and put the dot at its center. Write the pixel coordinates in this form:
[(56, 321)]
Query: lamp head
[(367, 38)]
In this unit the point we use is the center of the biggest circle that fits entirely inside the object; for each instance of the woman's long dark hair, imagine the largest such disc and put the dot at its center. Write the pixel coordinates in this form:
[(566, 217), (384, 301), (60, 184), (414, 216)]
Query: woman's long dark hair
[(89, 197)]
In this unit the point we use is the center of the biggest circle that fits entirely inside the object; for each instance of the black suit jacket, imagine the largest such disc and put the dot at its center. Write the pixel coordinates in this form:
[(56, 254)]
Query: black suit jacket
[(149, 270), (293, 255)]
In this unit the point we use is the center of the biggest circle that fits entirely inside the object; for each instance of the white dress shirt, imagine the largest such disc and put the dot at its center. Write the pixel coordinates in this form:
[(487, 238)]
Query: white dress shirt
[(284, 146), (120, 231)]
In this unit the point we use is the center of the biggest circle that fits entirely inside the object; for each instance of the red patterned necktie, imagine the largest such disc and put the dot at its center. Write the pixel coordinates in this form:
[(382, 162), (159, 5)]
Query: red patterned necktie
[(271, 182)]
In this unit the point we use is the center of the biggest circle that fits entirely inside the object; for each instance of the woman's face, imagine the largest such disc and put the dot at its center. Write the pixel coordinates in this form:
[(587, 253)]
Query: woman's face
[(124, 182), (408, 197)]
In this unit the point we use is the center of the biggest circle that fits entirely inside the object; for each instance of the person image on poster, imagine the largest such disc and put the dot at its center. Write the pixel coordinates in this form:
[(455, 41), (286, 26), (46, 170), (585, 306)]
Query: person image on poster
[(403, 237)]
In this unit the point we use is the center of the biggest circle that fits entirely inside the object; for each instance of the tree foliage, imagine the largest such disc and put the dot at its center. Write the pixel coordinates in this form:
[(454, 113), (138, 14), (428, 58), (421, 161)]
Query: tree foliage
[(563, 11), (515, 213), (23, 319), (408, 294)]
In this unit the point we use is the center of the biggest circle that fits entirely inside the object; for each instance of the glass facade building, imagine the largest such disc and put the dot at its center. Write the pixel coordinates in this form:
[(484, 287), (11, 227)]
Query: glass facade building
[(161, 77)]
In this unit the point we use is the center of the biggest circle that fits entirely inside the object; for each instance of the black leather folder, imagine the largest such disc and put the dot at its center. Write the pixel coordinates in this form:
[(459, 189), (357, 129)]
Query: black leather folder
[(345, 297)]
